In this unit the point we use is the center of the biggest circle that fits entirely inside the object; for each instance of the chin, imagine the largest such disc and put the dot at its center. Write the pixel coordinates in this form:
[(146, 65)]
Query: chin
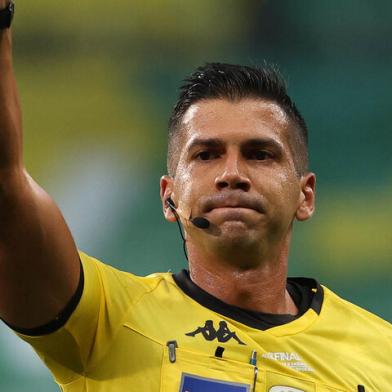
[(239, 251), (236, 235)]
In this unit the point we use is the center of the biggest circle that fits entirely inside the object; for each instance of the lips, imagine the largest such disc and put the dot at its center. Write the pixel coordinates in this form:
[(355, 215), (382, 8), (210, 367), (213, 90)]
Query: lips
[(233, 200)]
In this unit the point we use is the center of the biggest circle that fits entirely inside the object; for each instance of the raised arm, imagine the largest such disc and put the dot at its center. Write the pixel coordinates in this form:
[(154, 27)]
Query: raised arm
[(39, 263)]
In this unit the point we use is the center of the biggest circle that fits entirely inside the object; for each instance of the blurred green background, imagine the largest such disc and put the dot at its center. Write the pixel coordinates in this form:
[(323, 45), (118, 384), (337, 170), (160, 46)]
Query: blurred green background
[(98, 81)]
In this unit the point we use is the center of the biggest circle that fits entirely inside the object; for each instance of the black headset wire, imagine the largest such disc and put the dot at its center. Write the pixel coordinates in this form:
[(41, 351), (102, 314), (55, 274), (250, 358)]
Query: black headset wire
[(179, 228)]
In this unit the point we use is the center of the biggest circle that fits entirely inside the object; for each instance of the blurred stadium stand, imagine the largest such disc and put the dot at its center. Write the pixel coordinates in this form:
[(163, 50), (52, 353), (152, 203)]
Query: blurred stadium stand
[(98, 81)]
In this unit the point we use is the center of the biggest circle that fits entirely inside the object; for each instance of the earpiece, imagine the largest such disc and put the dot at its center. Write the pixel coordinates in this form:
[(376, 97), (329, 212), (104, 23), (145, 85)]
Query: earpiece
[(170, 203)]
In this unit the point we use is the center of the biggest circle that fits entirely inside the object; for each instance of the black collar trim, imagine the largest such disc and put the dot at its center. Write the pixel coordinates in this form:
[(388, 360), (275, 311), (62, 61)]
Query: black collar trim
[(307, 294)]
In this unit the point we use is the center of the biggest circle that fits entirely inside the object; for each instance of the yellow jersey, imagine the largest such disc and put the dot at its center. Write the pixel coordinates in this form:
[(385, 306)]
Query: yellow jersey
[(130, 333)]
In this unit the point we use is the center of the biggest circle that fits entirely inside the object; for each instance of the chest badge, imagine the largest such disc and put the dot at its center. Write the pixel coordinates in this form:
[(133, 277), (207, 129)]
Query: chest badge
[(222, 334), (193, 383)]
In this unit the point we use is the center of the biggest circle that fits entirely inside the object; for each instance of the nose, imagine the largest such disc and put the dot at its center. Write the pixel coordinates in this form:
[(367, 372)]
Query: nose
[(232, 177)]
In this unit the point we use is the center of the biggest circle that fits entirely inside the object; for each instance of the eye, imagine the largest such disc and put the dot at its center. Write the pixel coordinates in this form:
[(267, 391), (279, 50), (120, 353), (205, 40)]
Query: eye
[(206, 155), (259, 155)]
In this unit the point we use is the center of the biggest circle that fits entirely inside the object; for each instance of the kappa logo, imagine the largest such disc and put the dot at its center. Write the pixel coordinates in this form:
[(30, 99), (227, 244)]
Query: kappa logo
[(282, 388), (222, 334)]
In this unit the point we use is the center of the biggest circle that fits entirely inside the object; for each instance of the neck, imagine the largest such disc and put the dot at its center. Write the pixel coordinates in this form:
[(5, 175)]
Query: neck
[(257, 283)]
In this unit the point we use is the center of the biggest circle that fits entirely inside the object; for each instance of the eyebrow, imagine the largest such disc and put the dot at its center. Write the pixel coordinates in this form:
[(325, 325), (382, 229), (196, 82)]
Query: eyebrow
[(209, 142), (249, 143), (263, 142)]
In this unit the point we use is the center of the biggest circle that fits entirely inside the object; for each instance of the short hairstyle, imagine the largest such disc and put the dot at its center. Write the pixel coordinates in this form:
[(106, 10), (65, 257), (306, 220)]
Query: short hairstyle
[(236, 82)]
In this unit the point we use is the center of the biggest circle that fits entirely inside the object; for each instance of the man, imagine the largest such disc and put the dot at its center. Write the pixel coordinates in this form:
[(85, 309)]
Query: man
[(238, 178)]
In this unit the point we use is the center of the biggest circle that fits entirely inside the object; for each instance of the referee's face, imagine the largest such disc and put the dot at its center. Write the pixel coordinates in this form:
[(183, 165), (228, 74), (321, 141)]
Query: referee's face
[(236, 169)]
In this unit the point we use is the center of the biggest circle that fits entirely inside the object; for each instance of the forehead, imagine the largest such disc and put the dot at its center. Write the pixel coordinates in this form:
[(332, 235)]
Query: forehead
[(235, 121)]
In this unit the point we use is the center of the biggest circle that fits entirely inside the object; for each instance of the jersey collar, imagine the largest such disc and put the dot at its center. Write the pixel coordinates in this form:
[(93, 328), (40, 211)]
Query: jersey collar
[(307, 293)]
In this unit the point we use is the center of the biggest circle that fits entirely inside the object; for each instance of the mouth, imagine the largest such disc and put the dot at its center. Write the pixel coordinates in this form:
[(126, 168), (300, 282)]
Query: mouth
[(232, 211), (232, 203), (231, 208), (232, 214)]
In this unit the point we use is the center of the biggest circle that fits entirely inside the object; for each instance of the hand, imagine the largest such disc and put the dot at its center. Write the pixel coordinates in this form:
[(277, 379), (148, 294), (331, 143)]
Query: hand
[(3, 4)]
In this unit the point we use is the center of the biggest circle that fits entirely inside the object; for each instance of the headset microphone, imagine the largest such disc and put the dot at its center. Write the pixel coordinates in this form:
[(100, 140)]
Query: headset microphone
[(199, 222)]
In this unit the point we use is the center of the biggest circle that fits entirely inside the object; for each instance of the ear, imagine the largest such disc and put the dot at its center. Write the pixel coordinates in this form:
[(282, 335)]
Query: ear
[(166, 191), (307, 200)]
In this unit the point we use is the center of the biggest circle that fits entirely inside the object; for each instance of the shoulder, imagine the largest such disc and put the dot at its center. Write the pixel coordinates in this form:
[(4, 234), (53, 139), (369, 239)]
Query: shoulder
[(355, 319), (112, 279)]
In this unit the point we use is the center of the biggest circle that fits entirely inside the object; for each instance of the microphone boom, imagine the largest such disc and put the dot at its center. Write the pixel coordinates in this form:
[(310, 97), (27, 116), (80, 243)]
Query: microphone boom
[(200, 222)]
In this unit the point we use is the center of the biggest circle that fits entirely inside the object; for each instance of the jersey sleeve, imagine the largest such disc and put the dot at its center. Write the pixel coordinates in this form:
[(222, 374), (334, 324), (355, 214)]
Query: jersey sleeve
[(83, 340)]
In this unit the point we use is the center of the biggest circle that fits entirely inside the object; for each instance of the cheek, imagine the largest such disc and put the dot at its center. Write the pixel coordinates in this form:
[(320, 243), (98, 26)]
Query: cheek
[(185, 190), (194, 181), (284, 193), (292, 196)]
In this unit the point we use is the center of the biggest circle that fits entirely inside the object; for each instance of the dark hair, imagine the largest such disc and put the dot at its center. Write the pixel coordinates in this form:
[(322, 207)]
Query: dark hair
[(235, 82)]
